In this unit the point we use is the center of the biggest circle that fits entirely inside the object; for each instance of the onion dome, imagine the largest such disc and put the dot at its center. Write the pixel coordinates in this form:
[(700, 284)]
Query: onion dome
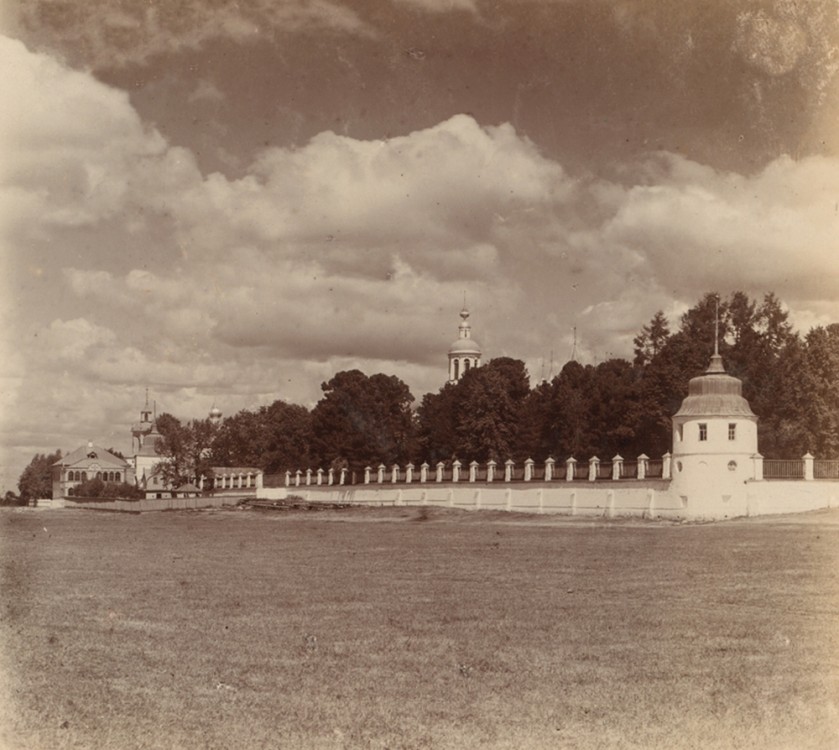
[(215, 413), (715, 394)]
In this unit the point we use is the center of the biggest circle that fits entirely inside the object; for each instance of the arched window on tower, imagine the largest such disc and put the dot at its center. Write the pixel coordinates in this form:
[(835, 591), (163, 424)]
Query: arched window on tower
[(456, 374), (466, 364)]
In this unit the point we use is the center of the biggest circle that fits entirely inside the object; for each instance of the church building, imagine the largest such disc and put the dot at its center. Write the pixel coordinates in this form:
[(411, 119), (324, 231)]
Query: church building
[(85, 463)]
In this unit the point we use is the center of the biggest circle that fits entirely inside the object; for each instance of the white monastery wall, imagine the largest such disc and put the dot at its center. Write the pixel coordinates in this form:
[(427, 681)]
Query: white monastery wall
[(795, 496), (708, 499), (640, 498)]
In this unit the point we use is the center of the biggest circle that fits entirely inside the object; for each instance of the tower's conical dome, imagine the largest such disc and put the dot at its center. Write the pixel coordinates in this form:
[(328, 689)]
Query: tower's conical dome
[(715, 394)]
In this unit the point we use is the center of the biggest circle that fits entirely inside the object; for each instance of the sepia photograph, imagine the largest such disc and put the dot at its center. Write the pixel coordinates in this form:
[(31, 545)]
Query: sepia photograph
[(419, 374)]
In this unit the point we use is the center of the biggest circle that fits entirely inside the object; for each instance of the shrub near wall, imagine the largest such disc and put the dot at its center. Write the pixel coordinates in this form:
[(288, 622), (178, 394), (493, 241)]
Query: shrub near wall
[(96, 489)]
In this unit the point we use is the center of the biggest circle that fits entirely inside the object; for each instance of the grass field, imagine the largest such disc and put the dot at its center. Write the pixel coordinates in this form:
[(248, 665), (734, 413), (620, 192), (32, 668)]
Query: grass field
[(397, 629)]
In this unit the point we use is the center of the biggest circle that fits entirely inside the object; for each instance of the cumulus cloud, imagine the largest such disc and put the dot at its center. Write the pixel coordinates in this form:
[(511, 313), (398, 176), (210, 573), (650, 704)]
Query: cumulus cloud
[(349, 253), (70, 144), (775, 230), (73, 340), (430, 187)]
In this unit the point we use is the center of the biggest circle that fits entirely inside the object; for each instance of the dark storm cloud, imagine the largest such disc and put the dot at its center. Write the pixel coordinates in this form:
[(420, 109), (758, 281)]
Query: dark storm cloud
[(729, 84)]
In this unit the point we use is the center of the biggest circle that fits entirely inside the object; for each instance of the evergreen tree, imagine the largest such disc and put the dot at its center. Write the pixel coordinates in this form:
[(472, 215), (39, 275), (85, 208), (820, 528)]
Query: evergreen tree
[(821, 380), (651, 340)]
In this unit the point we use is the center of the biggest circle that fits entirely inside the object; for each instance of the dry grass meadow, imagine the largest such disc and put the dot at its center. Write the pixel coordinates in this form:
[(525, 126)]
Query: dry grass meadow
[(400, 629)]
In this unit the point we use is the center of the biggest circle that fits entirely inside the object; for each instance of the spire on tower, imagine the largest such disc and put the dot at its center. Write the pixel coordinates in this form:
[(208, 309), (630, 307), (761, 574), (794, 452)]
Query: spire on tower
[(716, 365)]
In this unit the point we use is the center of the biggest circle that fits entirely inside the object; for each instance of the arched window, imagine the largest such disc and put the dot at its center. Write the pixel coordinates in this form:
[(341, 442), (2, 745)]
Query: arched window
[(70, 492), (117, 477), (456, 374), (84, 476), (98, 474), (466, 364)]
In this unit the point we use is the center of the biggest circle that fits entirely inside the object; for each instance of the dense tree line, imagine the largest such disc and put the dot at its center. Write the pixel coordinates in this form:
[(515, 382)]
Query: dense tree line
[(616, 406)]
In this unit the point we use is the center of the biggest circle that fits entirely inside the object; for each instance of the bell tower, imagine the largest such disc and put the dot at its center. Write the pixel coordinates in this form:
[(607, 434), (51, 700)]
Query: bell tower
[(464, 353), (140, 429)]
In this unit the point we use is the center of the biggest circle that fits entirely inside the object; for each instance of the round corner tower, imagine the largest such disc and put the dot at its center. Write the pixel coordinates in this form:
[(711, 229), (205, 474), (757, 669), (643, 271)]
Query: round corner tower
[(714, 444)]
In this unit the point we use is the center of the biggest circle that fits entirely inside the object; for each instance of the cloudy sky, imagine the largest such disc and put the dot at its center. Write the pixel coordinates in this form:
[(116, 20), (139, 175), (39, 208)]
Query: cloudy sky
[(229, 201)]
